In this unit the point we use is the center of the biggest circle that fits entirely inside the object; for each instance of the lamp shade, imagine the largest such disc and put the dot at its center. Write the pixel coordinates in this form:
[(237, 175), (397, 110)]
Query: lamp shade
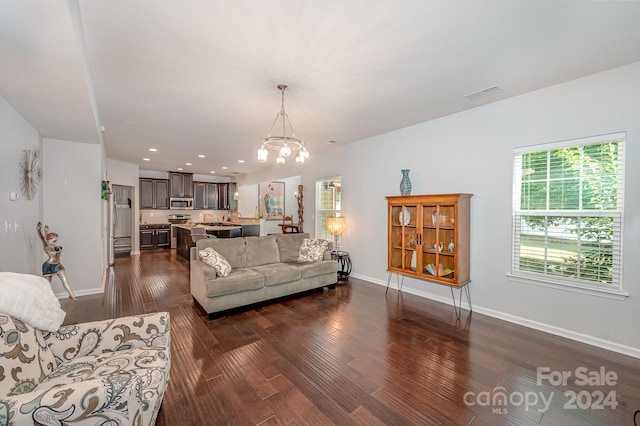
[(336, 225)]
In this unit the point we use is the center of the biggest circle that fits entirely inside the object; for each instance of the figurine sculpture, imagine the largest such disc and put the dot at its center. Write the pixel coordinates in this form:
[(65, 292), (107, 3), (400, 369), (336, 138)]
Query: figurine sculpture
[(52, 265), (300, 208)]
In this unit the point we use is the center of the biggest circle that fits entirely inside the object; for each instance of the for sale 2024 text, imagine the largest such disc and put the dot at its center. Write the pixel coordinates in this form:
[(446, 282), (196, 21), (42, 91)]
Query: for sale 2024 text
[(582, 376)]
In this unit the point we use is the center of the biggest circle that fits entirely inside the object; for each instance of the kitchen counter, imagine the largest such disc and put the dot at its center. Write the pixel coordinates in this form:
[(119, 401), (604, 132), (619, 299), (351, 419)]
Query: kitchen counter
[(185, 242), (207, 228)]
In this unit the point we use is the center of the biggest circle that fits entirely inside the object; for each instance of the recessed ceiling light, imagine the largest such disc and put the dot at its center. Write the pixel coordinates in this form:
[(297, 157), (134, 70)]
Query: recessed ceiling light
[(212, 172), (147, 159), (484, 92), (201, 155), (130, 123), (224, 167), (188, 164), (180, 168), (332, 142), (153, 149), (240, 161)]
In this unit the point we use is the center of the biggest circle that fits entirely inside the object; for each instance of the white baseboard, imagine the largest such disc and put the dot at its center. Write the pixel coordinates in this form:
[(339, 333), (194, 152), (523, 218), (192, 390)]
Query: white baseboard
[(569, 334), (87, 292)]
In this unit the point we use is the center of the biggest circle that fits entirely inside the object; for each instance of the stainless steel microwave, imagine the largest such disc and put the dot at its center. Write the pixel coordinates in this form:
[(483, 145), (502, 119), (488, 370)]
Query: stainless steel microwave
[(181, 203)]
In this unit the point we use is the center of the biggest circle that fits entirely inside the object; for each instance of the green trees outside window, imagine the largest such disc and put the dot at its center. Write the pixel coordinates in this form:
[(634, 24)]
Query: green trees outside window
[(568, 212)]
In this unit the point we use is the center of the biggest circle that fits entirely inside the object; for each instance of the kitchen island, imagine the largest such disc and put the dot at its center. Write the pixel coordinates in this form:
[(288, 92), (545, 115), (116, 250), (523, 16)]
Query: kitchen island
[(184, 241)]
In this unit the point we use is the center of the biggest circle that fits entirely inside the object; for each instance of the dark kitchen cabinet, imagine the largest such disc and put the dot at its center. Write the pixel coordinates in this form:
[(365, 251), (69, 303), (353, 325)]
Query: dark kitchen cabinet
[(206, 196), (250, 230), (184, 243), (181, 184), (231, 232), (155, 236), (232, 188), (154, 193), (213, 193), (199, 195)]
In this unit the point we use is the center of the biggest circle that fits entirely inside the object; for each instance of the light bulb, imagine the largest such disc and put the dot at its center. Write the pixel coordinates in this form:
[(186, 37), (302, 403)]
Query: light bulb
[(285, 151), (304, 153), (299, 158), (262, 154), (280, 160)]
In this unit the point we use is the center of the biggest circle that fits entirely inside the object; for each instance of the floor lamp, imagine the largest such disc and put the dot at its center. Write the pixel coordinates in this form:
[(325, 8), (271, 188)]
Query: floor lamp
[(336, 227)]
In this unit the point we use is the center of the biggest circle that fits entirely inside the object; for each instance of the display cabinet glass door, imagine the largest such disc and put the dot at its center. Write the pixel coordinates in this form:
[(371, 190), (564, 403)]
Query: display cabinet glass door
[(404, 237), (439, 241)]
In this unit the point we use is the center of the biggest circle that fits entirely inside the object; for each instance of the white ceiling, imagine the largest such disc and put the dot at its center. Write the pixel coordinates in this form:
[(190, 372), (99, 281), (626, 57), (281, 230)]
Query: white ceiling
[(200, 76)]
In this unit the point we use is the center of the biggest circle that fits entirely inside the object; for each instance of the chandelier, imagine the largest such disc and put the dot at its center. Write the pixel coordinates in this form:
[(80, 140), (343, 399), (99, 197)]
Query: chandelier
[(284, 145)]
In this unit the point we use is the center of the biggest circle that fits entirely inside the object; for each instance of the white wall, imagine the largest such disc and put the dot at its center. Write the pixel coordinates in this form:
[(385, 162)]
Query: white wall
[(472, 152), (21, 250), (72, 207)]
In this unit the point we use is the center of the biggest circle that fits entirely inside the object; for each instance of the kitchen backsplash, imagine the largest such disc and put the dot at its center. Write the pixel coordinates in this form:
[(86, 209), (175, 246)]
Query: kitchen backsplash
[(160, 216)]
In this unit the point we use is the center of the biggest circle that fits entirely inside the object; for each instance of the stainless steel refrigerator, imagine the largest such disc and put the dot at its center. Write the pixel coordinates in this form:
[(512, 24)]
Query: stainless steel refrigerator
[(120, 220)]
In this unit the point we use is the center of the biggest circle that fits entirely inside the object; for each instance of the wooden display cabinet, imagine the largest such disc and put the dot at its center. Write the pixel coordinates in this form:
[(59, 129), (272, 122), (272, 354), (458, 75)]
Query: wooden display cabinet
[(428, 238)]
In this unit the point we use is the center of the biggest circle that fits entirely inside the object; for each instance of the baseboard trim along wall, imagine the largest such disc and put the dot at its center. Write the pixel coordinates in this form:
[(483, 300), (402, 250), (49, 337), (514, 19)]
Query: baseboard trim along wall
[(583, 338), (85, 292)]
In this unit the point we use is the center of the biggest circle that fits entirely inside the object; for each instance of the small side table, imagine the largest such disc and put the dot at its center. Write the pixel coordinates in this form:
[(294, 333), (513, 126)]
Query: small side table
[(344, 260)]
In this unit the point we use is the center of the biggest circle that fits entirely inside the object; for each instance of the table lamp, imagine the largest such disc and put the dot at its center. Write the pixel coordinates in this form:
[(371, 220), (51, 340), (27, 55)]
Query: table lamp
[(336, 227)]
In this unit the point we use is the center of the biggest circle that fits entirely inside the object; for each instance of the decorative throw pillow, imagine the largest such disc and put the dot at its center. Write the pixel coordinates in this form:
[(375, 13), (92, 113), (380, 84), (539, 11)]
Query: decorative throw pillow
[(216, 261), (312, 250)]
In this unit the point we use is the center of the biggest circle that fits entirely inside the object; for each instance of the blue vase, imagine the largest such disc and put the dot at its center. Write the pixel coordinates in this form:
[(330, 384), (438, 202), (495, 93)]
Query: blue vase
[(405, 183)]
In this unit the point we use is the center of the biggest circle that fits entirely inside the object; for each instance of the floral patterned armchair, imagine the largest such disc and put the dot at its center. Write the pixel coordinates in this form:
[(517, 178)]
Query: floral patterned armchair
[(111, 372)]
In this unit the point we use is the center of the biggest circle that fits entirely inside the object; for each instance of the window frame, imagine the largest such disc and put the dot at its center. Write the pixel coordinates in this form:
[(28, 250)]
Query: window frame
[(321, 213), (615, 289)]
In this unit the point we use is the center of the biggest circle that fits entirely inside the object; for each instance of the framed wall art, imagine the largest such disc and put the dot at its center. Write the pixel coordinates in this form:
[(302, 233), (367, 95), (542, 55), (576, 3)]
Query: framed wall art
[(271, 200)]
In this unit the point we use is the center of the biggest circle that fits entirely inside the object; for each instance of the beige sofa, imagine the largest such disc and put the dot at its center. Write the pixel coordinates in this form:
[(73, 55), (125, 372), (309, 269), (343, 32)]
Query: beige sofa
[(262, 268)]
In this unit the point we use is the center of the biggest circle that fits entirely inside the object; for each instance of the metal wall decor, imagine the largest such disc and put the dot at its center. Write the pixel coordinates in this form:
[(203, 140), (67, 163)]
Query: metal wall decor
[(30, 172)]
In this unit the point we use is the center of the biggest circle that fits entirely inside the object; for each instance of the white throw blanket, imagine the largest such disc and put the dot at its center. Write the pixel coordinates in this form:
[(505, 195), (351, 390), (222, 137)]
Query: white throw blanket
[(30, 299)]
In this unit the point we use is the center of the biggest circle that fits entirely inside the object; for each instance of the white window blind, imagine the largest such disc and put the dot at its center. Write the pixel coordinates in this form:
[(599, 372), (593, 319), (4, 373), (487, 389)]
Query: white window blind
[(328, 204), (568, 210)]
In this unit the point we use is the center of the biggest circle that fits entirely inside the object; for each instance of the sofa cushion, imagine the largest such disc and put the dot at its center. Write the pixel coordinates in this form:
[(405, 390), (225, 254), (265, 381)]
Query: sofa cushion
[(134, 362), (278, 273), (314, 269), (261, 250), (125, 387), (312, 250), (238, 280), (289, 246), (216, 261), (109, 372), (232, 249), (25, 358), (115, 388)]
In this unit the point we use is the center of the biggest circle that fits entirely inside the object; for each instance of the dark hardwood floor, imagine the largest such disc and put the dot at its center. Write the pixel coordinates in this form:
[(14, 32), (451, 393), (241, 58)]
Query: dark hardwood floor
[(350, 355)]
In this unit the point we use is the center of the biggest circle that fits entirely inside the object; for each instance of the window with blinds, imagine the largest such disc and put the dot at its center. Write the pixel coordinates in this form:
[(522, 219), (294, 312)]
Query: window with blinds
[(328, 204), (567, 212)]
